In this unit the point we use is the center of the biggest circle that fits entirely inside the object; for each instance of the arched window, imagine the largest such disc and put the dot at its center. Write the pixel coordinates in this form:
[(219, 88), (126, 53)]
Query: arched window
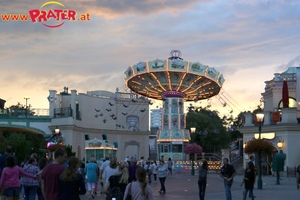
[(292, 103)]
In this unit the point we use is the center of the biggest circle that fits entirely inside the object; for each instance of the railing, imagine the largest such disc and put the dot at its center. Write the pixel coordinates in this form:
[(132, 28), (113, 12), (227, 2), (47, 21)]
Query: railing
[(24, 113), (291, 172), (213, 160), (236, 152), (63, 112)]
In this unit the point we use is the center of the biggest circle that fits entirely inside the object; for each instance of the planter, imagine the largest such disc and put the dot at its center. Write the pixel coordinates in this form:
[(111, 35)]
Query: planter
[(259, 145)]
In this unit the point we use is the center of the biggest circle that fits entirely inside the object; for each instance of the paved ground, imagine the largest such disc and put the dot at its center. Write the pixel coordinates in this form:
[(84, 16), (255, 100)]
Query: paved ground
[(184, 186)]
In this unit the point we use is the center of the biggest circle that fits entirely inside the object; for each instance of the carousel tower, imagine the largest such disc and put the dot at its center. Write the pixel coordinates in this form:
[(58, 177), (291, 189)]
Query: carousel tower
[(174, 81)]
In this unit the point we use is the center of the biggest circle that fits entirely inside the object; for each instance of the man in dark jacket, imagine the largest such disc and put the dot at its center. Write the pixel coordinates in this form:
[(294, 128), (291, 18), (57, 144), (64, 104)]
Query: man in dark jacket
[(227, 173)]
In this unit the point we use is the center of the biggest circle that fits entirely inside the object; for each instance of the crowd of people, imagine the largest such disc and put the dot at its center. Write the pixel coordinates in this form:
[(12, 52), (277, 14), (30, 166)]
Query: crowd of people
[(67, 178), (64, 178)]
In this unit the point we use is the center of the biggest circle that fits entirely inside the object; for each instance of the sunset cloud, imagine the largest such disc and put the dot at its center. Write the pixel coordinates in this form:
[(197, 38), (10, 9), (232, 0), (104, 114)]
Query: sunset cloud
[(248, 41)]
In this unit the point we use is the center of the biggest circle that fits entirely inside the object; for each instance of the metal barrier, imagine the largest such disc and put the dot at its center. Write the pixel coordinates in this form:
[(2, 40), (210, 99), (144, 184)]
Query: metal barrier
[(185, 167), (291, 172)]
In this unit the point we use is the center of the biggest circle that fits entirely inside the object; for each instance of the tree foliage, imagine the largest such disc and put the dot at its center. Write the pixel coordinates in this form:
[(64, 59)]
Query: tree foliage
[(69, 151), (211, 131), (20, 109), (22, 143)]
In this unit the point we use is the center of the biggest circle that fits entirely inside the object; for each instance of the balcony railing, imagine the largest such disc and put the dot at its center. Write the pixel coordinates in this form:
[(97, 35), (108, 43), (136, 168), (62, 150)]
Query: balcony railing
[(63, 112), (23, 113)]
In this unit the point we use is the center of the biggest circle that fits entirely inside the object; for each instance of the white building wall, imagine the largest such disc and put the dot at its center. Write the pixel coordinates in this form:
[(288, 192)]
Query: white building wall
[(97, 115)]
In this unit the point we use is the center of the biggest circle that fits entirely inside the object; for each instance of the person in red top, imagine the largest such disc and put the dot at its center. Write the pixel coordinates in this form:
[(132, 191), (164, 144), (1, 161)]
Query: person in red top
[(51, 173), (10, 178)]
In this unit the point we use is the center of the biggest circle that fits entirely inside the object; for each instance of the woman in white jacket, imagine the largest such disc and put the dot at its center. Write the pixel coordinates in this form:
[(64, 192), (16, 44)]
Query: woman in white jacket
[(162, 172)]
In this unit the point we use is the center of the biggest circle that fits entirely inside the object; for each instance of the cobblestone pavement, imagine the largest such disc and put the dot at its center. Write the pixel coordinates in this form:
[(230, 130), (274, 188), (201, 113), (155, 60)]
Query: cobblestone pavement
[(184, 186)]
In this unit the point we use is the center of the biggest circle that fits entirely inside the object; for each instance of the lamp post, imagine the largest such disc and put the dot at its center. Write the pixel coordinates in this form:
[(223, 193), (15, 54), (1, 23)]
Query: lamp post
[(56, 130), (280, 142), (259, 117), (26, 99), (193, 130)]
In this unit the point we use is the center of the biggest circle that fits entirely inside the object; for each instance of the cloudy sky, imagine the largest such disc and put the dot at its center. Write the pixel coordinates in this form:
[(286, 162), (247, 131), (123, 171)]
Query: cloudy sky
[(247, 40)]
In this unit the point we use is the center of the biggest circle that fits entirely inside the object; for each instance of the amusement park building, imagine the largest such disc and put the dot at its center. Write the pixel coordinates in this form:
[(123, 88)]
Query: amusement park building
[(280, 124), (122, 117)]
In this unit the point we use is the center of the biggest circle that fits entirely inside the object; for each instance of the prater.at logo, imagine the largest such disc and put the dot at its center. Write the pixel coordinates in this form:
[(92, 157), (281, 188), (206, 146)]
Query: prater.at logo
[(59, 16)]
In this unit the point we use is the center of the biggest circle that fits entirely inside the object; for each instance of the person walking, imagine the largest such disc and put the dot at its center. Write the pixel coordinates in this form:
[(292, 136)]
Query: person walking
[(8, 151), (139, 189), (10, 178), (149, 170), (105, 163), (154, 170), (71, 183), (170, 165), (51, 173), (119, 179), (227, 173), (98, 175), (162, 172), (202, 169), (111, 169), (30, 185), (91, 176), (40, 191), (142, 162), (133, 167), (252, 161), (248, 179)]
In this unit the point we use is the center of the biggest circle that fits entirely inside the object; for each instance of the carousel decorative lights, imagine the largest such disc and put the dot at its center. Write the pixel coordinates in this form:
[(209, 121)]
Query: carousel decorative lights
[(174, 81)]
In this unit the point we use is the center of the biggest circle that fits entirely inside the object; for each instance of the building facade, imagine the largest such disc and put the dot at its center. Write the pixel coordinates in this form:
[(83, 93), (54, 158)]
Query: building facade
[(280, 124), (119, 118)]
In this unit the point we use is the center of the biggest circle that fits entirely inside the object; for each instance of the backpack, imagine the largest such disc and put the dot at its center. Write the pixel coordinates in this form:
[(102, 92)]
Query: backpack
[(116, 193)]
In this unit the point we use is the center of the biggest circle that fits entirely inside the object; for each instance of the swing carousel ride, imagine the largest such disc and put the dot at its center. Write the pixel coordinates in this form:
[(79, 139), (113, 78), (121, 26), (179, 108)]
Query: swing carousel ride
[(173, 81)]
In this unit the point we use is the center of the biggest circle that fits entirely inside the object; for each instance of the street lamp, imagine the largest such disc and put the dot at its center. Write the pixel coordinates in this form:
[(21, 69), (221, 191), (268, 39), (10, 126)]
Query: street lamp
[(193, 130), (280, 142), (26, 98), (56, 130), (259, 118)]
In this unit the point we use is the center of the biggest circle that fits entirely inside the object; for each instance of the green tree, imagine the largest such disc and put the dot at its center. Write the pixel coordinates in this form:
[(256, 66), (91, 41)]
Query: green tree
[(18, 143), (22, 143), (68, 148), (211, 131), (19, 109)]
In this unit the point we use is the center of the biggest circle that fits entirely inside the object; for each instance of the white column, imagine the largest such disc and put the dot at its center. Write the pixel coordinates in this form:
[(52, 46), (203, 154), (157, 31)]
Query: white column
[(248, 119), (267, 118), (288, 115), (52, 99), (73, 102)]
